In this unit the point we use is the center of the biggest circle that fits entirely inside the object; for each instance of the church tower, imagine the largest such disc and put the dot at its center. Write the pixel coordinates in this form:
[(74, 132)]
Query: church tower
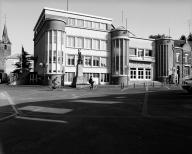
[(5, 49)]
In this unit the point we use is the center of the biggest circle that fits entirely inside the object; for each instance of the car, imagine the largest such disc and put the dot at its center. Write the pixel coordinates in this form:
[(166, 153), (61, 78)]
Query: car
[(187, 85)]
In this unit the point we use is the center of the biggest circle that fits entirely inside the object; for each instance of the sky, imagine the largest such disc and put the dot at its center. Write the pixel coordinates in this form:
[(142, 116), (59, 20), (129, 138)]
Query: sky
[(144, 17)]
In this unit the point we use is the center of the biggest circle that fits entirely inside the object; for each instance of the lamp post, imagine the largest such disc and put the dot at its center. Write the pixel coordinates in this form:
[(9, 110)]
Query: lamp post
[(127, 75)]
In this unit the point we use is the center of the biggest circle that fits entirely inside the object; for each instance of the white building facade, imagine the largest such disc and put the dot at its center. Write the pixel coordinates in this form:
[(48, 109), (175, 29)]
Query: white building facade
[(109, 54)]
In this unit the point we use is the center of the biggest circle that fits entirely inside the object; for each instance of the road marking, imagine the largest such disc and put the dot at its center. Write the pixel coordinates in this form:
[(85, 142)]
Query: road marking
[(41, 119), (46, 109), (96, 102)]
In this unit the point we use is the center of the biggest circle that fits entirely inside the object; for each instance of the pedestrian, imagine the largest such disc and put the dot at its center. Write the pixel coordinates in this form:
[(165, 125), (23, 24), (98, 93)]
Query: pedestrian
[(54, 83), (91, 82)]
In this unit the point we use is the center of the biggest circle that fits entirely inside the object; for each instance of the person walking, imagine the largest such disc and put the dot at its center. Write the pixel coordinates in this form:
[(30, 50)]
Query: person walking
[(91, 82)]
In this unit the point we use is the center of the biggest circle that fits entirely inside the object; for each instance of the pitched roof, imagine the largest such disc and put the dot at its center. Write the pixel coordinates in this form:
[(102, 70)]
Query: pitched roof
[(5, 38), (179, 43)]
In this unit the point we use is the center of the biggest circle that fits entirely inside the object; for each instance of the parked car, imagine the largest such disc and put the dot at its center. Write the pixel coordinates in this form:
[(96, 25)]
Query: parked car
[(187, 85)]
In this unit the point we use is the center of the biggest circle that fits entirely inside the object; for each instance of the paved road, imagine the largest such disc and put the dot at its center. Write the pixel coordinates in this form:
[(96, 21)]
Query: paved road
[(105, 120)]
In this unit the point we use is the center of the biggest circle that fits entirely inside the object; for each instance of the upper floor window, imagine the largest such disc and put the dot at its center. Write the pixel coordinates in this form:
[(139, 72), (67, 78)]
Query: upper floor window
[(95, 61), (177, 57), (88, 43), (103, 45), (71, 41), (87, 24), (5, 47), (50, 37), (71, 21), (103, 26), (96, 44), (71, 60), (133, 51), (79, 42), (186, 55), (140, 52), (55, 36), (148, 52), (95, 25), (87, 61), (80, 22), (103, 62)]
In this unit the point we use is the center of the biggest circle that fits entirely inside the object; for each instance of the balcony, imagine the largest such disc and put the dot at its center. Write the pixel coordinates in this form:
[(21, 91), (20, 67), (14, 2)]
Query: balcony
[(142, 59)]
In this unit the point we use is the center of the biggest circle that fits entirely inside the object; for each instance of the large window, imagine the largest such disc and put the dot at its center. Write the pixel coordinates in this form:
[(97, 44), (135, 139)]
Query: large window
[(80, 23), (140, 52), (96, 44), (104, 77), (87, 24), (140, 73), (133, 51), (87, 61), (133, 73), (148, 73), (70, 76), (50, 37), (71, 21), (95, 61), (103, 45), (71, 41), (54, 56), (148, 52), (88, 43), (95, 25), (55, 36), (186, 55), (71, 60), (103, 62), (79, 42), (103, 26), (177, 57)]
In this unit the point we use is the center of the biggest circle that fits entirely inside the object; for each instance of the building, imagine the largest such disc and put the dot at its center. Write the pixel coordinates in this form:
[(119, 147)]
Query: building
[(111, 55), (5, 51)]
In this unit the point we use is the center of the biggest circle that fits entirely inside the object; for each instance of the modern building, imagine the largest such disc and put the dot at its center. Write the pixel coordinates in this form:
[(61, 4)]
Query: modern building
[(111, 55)]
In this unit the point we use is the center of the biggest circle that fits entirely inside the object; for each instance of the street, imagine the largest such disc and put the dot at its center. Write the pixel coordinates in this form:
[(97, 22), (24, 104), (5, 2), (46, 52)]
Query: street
[(99, 121)]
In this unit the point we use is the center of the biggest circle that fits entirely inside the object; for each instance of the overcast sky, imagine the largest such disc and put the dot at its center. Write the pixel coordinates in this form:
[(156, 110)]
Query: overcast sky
[(144, 17)]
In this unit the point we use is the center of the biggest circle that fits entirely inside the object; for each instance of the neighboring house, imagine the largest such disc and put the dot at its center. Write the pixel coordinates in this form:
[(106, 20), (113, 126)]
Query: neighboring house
[(111, 55)]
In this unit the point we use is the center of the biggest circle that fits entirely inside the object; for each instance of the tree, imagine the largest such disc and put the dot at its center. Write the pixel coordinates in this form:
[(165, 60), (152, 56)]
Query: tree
[(24, 64), (158, 36), (189, 37), (183, 37)]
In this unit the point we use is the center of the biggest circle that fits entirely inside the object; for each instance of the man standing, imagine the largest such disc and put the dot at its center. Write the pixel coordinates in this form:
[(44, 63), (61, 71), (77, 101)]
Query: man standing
[(91, 82)]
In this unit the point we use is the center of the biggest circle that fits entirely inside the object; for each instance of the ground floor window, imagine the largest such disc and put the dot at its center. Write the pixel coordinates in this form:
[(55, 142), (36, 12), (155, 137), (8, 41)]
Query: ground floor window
[(104, 77), (148, 73), (69, 76), (140, 73), (133, 73)]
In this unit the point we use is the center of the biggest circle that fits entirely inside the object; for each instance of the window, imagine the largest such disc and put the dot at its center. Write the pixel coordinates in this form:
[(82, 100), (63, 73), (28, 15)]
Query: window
[(177, 57), (60, 61), (140, 52), (133, 73), (104, 77), (103, 45), (103, 62), (55, 36), (71, 41), (62, 39), (79, 42), (87, 24), (95, 61), (95, 25), (186, 55), (80, 23), (50, 37), (71, 21), (50, 56), (95, 44), (133, 51), (5, 47), (54, 56), (87, 61), (103, 26), (148, 73), (88, 43), (148, 52), (71, 60), (140, 73), (70, 76)]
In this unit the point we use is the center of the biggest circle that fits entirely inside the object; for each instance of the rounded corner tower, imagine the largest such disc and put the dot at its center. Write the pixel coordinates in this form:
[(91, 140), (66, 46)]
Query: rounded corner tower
[(120, 56), (164, 58)]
